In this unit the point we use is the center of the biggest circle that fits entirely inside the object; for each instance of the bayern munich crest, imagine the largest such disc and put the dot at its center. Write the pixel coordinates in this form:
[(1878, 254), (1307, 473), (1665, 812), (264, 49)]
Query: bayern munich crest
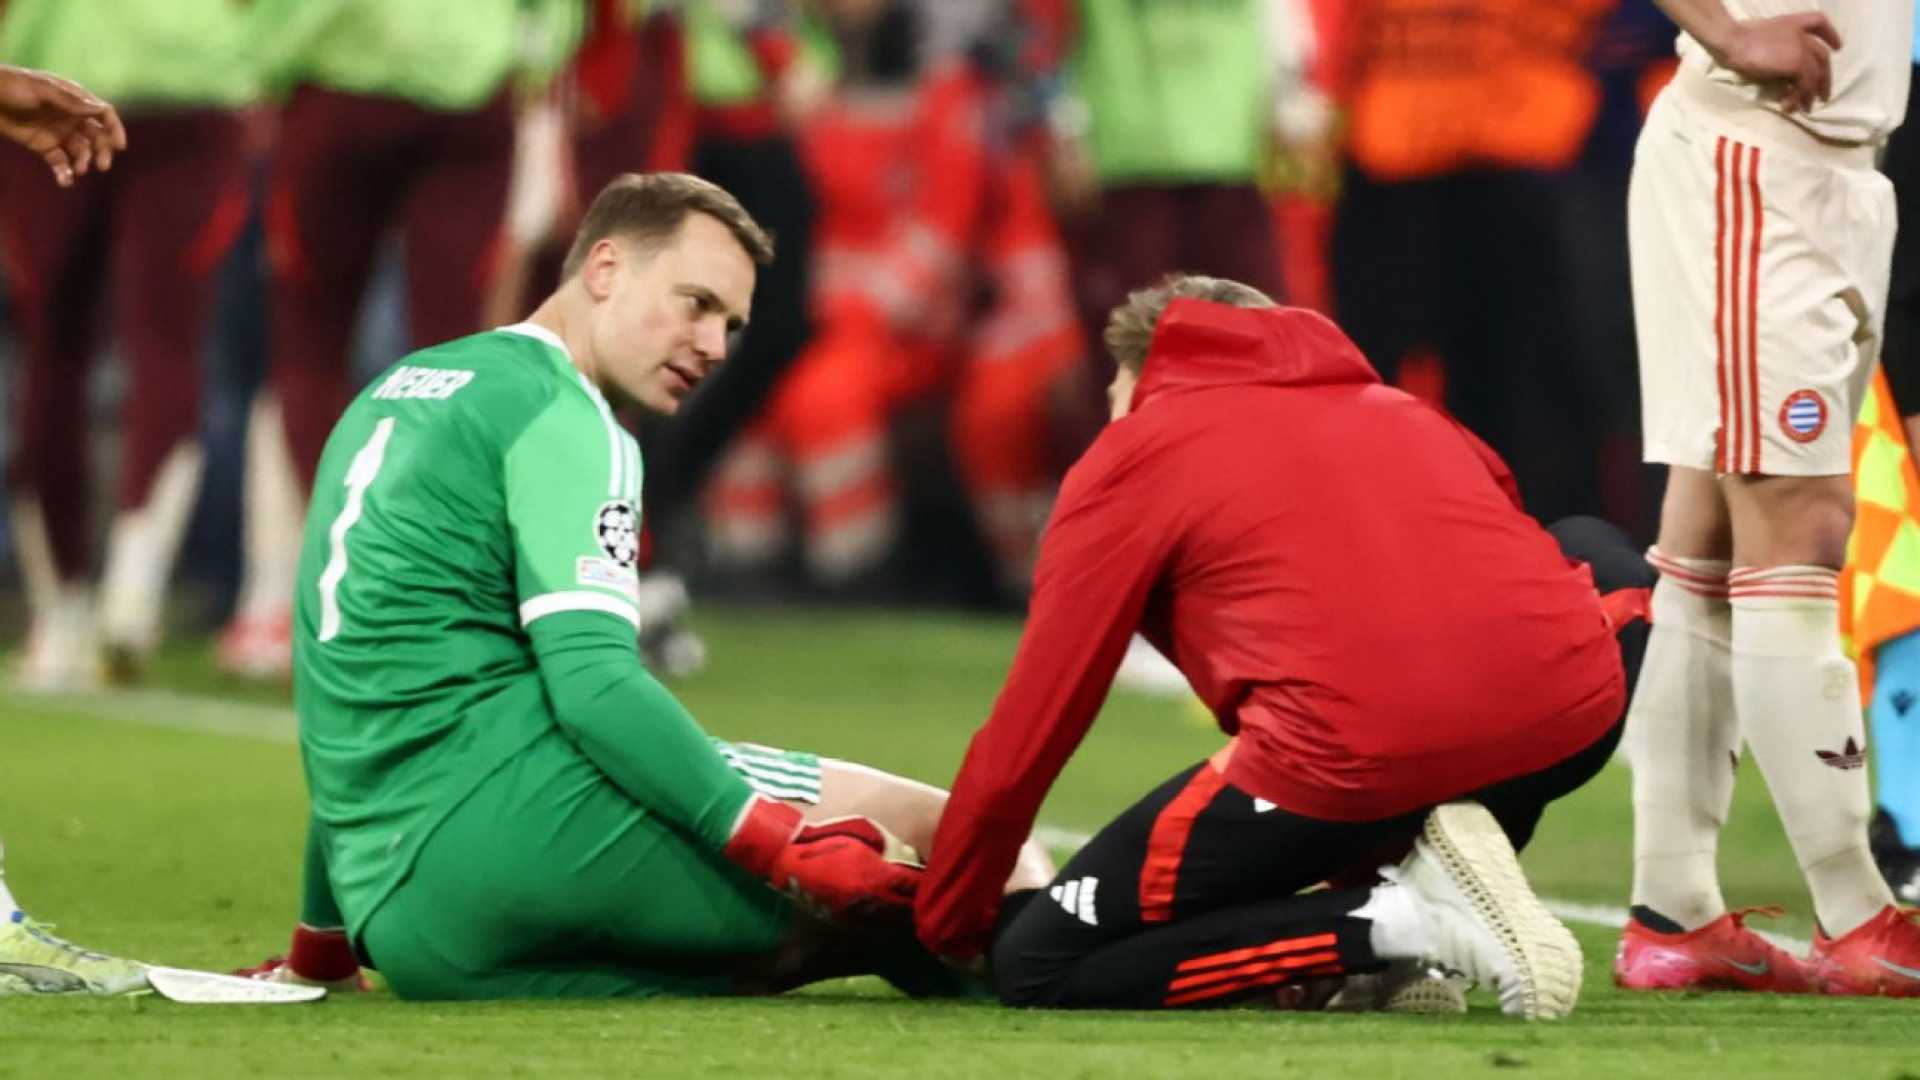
[(617, 528), (1803, 416)]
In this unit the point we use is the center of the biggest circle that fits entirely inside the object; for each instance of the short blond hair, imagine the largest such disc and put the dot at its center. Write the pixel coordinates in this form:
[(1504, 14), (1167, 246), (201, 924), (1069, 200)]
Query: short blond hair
[(1130, 326), (650, 208)]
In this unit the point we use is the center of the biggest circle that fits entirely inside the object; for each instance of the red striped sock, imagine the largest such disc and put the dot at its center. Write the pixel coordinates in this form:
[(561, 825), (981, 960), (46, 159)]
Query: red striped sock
[(322, 955)]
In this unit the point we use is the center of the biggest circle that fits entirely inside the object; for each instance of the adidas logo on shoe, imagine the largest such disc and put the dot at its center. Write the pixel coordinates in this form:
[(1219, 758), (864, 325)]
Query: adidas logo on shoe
[(1076, 897)]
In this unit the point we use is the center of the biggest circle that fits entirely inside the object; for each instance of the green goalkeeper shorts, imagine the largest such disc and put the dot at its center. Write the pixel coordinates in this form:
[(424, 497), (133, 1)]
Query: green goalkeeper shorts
[(549, 882)]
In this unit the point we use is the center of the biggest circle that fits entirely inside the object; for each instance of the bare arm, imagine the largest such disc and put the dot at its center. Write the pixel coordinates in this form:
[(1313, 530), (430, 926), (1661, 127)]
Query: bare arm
[(1795, 51)]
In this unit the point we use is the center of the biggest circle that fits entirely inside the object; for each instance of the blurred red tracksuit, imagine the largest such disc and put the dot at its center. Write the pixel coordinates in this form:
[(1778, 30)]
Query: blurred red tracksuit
[(149, 236), (1018, 351), (913, 201), (1342, 573)]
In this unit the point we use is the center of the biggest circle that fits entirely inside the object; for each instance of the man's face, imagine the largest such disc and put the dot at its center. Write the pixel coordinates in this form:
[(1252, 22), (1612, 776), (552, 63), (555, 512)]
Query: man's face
[(1120, 392), (661, 319)]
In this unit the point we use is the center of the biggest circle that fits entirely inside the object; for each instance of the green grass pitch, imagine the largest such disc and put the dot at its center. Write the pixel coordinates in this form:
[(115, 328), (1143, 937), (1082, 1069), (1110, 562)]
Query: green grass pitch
[(165, 824)]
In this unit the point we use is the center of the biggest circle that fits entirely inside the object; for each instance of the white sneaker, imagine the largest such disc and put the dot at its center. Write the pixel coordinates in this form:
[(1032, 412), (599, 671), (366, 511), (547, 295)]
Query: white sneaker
[(62, 653), (1487, 924), (141, 549)]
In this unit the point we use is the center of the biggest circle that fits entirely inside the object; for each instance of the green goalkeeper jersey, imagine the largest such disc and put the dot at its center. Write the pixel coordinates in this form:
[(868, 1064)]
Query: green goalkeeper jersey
[(473, 533)]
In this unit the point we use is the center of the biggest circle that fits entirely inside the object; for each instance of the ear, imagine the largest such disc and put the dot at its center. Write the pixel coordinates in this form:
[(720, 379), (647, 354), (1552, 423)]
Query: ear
[(601, 268)]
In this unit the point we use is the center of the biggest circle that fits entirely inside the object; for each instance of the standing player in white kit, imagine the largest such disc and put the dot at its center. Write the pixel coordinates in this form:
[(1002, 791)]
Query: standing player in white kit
[(1761, 241)]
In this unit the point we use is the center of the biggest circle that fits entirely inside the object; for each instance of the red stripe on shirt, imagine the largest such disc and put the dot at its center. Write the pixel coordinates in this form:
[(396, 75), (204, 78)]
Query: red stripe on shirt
[(1753, 308), (1167, 843)]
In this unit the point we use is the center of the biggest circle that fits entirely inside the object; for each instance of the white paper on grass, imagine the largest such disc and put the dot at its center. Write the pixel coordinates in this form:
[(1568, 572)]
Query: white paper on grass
[(207, 988)]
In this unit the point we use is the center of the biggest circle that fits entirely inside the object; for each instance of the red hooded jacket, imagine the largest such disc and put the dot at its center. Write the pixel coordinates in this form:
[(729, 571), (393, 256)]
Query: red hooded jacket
[(1341, 571)]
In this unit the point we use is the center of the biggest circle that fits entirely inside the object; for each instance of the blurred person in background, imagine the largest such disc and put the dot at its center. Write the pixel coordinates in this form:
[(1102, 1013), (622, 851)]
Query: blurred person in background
[(392, 118), (1024, 356), (1165, 117), (894, 154), (1880, 586), (936, 271), (1461, 119), (136, 251)]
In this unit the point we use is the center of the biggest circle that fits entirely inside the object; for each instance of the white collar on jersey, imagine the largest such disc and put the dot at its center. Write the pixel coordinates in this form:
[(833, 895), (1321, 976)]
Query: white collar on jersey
[(542, 334), (537, 333)]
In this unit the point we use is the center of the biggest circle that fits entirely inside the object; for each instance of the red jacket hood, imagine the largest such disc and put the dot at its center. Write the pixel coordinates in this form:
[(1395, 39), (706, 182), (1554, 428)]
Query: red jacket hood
[(1199, 344)]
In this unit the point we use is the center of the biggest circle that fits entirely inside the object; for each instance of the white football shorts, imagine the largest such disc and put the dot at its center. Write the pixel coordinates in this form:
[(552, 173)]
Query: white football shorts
[(1760, 264)]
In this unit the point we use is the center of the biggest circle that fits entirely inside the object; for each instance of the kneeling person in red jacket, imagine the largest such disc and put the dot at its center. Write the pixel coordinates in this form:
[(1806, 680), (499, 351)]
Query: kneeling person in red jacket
[(1345, 577)]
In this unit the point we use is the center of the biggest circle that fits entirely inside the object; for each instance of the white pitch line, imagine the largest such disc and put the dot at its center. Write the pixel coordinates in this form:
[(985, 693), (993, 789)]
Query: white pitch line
[(177, 711), (275, 724)]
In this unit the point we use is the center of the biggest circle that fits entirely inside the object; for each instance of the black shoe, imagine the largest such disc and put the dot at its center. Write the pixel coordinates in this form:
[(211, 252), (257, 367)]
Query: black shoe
[(1898, 863)]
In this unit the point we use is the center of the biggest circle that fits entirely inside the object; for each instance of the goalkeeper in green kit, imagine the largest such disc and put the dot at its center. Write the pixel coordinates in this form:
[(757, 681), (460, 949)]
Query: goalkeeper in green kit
[(505, 803)]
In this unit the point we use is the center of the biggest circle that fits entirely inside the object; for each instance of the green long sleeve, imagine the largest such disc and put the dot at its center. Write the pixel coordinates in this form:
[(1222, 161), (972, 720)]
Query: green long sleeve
[(632, 727)]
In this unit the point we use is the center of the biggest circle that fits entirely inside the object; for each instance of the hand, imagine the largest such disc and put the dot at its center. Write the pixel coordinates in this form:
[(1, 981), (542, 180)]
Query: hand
[(841, 868), (1793, 50), (70, 128), (845, 867)]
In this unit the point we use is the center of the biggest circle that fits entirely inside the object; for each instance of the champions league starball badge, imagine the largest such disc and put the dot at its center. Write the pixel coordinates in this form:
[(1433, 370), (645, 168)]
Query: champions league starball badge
[(617, 529)]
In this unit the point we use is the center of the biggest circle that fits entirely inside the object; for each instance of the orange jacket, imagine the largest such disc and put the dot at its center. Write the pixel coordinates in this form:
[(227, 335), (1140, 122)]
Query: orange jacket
[(1437, 86)]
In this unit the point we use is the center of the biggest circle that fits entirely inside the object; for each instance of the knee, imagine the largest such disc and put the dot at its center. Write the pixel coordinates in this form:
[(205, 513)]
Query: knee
[(1694, 522), (1017, 982), (1793, 521), (1827, 522), (1023, 975)]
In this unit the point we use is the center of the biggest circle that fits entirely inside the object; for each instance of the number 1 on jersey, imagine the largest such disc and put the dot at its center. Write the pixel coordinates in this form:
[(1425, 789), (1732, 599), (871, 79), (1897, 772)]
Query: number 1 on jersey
[(366, 466)]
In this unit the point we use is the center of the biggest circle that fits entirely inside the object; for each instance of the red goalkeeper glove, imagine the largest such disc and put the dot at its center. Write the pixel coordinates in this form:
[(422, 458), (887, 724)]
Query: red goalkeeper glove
[(848, 866)]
